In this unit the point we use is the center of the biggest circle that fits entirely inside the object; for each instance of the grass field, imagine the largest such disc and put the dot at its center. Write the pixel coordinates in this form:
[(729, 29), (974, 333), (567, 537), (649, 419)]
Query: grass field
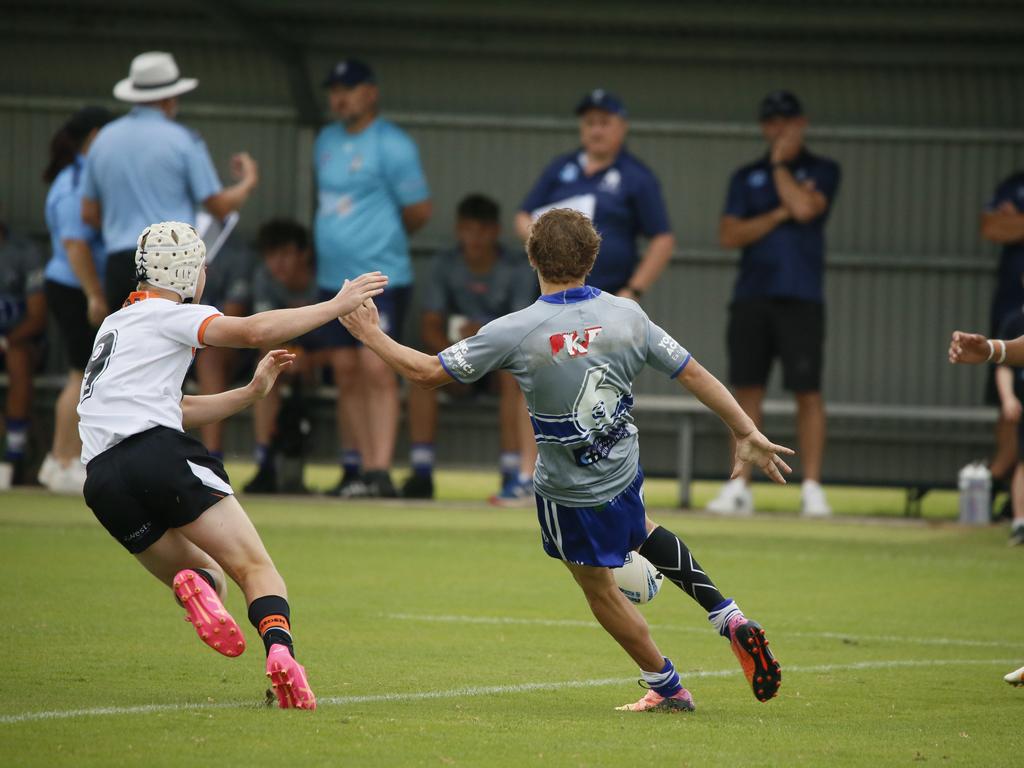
[(440, 634)]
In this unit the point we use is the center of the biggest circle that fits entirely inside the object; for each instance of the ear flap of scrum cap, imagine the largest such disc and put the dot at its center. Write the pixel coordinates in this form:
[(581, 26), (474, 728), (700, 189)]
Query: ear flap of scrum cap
[(170, 255)]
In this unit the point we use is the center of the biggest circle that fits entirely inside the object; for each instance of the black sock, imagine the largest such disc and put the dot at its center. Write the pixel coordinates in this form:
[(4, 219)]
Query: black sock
[(669, 554), (207, 576), (271, 617)]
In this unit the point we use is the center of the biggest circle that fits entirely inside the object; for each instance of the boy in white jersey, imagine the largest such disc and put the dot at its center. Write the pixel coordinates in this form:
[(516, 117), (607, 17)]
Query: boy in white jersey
[(156, 489), (575, 353)]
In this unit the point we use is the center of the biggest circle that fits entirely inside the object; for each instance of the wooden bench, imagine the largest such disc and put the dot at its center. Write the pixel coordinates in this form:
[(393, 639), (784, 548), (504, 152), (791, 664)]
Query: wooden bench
[(687, 410)]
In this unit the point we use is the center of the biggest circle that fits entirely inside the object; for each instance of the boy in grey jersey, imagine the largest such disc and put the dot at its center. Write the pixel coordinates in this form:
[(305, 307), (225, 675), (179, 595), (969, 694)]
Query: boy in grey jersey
[(575, 354)]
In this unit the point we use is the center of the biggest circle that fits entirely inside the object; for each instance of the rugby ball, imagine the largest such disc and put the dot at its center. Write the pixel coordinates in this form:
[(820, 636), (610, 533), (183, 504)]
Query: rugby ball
[(638, 580)]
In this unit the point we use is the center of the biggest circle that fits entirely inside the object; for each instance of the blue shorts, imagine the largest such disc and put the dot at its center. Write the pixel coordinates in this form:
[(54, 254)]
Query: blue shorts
[(598, 536), (391, 306)]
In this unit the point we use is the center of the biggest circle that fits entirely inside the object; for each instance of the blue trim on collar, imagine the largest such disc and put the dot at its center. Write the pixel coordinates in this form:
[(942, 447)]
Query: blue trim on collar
[(572, 295)]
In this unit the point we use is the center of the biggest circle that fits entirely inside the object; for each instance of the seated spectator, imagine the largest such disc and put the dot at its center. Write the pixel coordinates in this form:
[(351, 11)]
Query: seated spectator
[(228, 288), (285, 278), (22, 323), (470, 285), (73, 288)]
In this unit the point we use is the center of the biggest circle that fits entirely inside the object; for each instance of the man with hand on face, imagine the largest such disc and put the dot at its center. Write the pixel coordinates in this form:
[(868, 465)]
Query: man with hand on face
[(621, 195), (372, 195), (775, 212)]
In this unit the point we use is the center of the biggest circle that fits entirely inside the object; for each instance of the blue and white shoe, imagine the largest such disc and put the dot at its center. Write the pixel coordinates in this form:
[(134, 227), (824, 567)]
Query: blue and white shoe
[(514, 493)]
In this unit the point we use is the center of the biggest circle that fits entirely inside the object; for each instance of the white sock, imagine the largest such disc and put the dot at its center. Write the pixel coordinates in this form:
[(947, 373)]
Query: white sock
[(722, 615)]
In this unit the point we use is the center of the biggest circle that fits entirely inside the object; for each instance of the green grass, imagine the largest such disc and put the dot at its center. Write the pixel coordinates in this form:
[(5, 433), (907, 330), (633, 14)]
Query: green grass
[(893, 640)]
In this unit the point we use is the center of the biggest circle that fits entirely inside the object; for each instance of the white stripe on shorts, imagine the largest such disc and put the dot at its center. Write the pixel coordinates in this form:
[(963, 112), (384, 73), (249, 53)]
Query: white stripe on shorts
[(553, 526), (208, 478)]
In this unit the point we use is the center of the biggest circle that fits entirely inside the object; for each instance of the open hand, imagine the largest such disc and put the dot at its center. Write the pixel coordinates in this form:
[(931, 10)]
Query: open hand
[(97, 309), (275, 361), (758, 450), (244, 168), (361, 320), (354, 292), (971, 348)]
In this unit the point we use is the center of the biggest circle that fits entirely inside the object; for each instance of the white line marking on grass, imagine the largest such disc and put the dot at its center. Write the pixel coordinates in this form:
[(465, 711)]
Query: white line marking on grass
[(486, 690), (451, 619)]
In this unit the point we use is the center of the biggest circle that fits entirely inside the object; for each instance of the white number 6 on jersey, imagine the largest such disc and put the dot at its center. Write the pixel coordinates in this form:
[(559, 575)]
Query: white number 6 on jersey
[(597, 401)]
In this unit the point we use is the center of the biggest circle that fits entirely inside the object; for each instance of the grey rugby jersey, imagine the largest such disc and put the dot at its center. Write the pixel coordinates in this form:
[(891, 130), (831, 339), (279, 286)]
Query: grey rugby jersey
[(575, 355)]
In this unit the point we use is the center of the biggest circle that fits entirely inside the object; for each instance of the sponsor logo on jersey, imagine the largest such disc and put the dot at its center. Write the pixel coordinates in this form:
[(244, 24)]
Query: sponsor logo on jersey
[(757, 179), (569, 173), (671, 346), (457, 358), (611, 182), (575, 343)]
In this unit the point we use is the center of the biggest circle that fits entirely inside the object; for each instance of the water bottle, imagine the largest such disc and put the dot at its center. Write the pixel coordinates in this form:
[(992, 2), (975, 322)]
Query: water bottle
[(975, 484)]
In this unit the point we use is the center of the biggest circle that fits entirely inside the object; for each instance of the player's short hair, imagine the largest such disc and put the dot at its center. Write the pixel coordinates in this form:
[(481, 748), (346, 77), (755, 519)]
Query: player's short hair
[(563, 245), (277, 233), (477, 207)]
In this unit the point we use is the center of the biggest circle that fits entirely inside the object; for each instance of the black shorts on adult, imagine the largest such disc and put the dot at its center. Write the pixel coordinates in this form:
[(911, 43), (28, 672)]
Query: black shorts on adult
[(120, 278), (792, 330), (150, 482), (71, 312)]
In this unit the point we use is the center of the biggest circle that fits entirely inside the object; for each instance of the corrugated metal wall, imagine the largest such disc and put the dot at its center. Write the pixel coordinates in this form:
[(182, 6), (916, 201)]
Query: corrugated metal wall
[(924, 125)]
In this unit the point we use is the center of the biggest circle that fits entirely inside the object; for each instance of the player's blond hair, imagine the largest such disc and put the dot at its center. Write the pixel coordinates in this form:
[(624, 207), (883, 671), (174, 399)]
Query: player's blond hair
[(563, 245)]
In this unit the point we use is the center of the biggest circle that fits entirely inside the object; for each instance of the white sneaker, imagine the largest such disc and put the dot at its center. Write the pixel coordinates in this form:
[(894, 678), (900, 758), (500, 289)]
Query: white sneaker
[(812, 500), (735, 498), (1015, 678), (68, 480), (47, 469)]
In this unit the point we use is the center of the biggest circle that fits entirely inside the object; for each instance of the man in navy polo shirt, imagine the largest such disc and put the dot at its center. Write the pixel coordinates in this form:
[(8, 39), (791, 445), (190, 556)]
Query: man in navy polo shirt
[(1002, 222), (616, 191), (775, 211)]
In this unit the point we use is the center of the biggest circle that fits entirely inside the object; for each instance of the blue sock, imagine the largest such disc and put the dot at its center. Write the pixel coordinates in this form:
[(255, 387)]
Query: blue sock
[(421, 456), (351, 461), (666, 682), (508, 465), (261, 453), (17, 439)]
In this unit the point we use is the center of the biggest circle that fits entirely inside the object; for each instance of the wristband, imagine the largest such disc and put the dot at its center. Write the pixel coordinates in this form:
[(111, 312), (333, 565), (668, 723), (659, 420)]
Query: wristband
[(992, 351), (1002, 355)]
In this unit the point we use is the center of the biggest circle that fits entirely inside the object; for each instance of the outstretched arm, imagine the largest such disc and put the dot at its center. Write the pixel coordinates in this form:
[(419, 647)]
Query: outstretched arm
[(199, 410), (268, 329), (973, 348), (751, 446), (422, 370)]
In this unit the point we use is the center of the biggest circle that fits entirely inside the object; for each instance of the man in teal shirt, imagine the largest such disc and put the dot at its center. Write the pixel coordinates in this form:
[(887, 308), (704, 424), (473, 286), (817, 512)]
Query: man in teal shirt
[(372, 195)]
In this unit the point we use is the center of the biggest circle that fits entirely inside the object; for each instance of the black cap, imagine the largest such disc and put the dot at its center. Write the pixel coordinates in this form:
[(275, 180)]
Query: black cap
[(779, 104), (350, 73), (599, 98), (85, 120)]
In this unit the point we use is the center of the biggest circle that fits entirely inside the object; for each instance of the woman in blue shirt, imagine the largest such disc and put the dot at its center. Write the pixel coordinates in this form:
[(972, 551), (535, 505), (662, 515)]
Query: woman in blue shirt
[(74, 287)]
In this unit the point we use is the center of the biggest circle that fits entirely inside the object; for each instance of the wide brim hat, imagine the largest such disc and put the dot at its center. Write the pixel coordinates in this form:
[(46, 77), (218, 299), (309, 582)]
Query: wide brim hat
[(153, 76)]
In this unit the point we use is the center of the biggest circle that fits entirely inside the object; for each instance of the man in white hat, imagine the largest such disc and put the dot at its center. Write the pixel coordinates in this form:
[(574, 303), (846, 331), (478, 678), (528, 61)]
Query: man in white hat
[(145, 167)]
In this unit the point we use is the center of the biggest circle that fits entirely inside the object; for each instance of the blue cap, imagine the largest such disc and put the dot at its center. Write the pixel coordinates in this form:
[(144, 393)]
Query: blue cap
[(350, 73), (599, 98), (779, 104)]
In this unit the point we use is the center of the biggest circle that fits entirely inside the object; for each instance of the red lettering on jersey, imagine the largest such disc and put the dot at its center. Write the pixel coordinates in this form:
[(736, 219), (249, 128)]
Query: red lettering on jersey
[(572, 341)]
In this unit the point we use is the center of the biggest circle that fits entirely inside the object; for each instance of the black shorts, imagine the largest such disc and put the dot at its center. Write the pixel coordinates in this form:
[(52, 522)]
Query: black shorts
[(792, 330), (391, 306), (150, 482), (120, 279), (70, 310)]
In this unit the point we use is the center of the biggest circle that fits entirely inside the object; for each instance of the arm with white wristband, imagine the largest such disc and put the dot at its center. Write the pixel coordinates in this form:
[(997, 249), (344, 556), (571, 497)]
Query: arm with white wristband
[(973, 348)]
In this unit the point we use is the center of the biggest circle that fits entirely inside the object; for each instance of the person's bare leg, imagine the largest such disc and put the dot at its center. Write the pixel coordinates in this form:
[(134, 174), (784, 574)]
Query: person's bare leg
[(67, 444), (350, 415), (1004, 460), (172, 552), (810, 422), (750, 400), (264, 415), (1017, 494), (422, 415), (380, 409), (18, 360), (617, 615), (213, 367)]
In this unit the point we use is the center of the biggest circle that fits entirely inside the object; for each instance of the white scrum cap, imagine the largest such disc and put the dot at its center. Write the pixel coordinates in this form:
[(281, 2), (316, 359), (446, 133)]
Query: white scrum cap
[(170, 255)]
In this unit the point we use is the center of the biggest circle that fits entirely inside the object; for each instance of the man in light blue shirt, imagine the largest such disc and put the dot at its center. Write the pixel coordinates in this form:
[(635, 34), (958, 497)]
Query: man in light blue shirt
[(145, 167), (372, 195)]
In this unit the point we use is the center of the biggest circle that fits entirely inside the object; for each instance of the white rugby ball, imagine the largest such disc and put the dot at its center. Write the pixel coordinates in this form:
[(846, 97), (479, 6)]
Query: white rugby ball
[(638, 580)]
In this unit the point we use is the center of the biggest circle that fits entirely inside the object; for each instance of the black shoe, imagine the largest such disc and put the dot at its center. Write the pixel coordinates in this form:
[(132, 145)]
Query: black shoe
[(264, 482), (349, 485), (418, 487), (379, 485), (1016, 536)]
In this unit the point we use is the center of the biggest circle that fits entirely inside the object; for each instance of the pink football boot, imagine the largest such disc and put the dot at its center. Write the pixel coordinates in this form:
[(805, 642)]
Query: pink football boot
[(207, 614), (288, 678), (681, 701)]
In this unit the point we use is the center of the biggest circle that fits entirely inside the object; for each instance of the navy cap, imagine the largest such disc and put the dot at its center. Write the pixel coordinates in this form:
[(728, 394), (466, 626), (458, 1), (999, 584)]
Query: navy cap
[(779, 104), (350, 73), (601, 99)]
